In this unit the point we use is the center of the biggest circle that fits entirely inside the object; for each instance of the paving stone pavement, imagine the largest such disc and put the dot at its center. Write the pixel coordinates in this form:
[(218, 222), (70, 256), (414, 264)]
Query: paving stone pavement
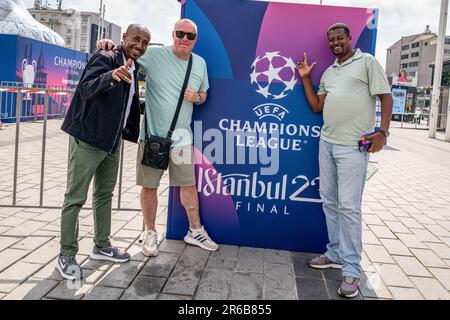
[(406, 235)]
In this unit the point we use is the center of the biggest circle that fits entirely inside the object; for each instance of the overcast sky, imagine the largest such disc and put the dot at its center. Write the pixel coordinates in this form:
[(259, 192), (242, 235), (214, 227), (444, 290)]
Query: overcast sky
[(397, 18)]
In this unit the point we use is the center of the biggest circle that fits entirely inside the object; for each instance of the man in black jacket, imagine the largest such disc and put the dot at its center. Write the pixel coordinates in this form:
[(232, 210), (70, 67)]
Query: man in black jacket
[(104, 110)]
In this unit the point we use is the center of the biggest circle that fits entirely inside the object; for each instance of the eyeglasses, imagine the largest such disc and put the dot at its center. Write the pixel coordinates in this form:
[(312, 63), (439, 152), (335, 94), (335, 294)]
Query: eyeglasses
[(190, 35)]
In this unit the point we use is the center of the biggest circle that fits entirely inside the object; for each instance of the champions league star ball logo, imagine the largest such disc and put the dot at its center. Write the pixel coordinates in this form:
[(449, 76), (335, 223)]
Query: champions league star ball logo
[(274, 75)]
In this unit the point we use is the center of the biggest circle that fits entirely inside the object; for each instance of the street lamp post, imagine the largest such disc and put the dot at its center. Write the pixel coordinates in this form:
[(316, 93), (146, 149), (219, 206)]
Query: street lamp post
[(438, 70)]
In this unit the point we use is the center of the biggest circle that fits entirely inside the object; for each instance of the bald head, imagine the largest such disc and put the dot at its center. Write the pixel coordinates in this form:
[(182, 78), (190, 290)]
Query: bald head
[(135, 41), (184, 22), (136, 26)]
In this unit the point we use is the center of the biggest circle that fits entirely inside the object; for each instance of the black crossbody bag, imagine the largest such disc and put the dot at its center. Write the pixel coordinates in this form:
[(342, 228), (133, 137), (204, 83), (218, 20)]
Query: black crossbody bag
[(157, 149)]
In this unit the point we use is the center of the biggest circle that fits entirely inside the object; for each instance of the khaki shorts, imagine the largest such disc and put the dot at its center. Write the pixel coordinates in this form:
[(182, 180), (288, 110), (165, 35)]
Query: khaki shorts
[(181, 169)]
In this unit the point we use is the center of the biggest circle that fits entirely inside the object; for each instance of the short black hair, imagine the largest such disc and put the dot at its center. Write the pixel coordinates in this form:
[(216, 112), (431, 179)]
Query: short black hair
[(340, 25)]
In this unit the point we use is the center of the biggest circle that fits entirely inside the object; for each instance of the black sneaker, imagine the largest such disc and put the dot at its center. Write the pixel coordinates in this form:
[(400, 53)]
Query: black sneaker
[(110, 253), (69, 268)]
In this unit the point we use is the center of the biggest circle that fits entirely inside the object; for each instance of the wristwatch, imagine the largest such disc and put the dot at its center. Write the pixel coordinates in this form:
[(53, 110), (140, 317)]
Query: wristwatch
[(199, 99), (384, 133)]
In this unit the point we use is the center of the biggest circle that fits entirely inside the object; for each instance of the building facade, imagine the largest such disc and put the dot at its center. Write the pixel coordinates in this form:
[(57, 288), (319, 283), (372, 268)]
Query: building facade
[(415, 54), (79, 29)]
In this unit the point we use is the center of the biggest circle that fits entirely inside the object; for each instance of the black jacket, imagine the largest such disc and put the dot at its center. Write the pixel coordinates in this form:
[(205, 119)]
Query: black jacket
[(98, 107)]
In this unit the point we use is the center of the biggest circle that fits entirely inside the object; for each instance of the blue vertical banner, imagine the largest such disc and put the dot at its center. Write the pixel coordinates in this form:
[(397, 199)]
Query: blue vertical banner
[(256, 138)]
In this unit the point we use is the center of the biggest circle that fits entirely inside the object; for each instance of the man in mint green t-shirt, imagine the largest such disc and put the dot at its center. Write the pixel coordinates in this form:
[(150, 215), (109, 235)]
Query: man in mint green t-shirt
[(165, 68), (347, 96)]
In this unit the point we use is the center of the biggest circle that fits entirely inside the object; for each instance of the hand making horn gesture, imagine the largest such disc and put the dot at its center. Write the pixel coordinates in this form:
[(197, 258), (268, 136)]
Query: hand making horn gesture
[(123, 73)]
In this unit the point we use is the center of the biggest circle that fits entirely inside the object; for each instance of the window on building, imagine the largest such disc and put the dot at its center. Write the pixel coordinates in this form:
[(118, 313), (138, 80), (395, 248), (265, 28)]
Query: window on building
[(447, 40), (414, 54), (415, 45), (389, 51), (425, 44), (412, 74), (404, 66), (413, 64), (406, 47), (446, 51), (404, 56)]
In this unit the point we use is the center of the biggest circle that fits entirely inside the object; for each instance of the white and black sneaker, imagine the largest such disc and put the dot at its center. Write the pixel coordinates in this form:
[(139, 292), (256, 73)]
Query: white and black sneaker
[(69, 268), (110, 253), (201, 239)]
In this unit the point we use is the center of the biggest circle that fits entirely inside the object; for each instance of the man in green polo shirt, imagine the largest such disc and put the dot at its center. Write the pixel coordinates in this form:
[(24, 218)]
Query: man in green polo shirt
[(347, 97)]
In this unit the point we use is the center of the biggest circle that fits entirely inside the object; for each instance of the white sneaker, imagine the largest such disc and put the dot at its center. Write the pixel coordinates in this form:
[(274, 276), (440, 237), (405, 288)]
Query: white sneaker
[(201, 239), (150, 244)]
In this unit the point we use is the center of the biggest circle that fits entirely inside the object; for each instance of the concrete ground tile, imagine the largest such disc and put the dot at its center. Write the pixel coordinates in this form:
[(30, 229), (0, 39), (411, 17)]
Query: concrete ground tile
[(45, 253), (425, 235), (135, 224), (368, 237), (442, 275), (280, 294), (144, 288), (161, 265), (31, 243), (247, 287), (226, 252), (183, 281), (399, 212), (212, 291), (441, 249), (431, 289), (193, 258), (411, 223), (382, 232), (172, 246), (429, 258), (277, 256), (378, 254), (48, 272), (438, 230), (278, 276), (103, 293), (405, 293), (396, 247), (392, 275), (446, 240), (311, 289), (4, 229), (49, 216), (302, 268), (67, 290), (221, 263), (32, 289), (423, 219), (12, 222), (372, 286), (10, 256), (217, 276), (385, 215), (371, 219), (6, 242), (164, 296), (412, 267), (120, 276), (411, 241), (397, 227), (250, 262), (16, 274)]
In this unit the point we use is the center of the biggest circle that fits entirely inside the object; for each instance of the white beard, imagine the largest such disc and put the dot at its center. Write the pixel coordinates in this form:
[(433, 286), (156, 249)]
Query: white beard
[(15, 19)]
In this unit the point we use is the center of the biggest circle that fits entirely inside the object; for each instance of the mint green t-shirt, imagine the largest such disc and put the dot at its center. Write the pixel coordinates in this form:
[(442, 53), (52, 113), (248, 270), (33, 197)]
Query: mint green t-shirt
[(165, 76), (350, 103)]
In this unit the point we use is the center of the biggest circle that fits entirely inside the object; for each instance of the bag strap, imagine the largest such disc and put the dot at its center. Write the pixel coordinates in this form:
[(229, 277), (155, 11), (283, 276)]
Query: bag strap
[(180, 100), (180, 103)]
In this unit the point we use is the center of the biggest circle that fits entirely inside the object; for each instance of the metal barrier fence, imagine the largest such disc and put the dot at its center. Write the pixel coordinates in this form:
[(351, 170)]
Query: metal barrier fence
[(20, 103), (417, 121)]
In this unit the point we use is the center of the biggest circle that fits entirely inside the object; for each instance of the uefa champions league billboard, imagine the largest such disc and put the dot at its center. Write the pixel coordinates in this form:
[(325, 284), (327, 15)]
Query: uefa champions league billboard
[(256, 138)]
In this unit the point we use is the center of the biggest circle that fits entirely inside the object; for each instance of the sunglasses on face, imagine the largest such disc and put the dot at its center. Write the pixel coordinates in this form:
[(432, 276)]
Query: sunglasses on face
[(190, 35)]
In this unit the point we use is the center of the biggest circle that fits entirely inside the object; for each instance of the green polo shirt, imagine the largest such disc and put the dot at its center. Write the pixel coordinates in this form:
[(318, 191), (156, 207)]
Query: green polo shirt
[(351, 89)]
